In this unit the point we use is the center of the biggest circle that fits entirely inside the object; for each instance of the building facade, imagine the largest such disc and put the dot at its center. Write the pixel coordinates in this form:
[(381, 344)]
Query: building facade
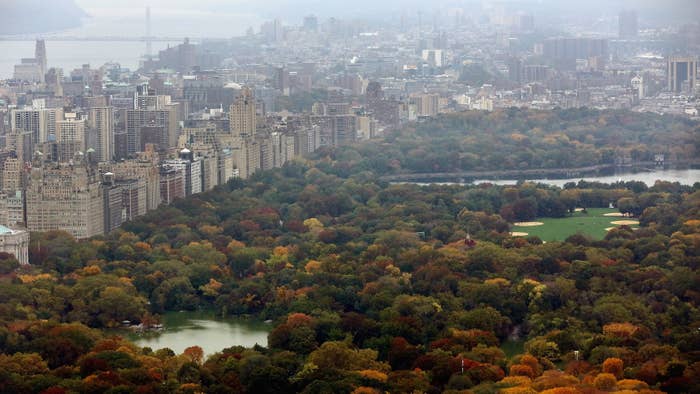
[(65, 197), (682, 74), (15, 242), (243, 118)]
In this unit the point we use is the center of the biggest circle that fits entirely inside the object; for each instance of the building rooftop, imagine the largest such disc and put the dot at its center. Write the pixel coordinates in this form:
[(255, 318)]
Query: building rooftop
[(6, 230)]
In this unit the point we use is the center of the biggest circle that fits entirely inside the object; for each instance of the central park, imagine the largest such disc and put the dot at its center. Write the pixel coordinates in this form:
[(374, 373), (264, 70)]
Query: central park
[(345, 283)]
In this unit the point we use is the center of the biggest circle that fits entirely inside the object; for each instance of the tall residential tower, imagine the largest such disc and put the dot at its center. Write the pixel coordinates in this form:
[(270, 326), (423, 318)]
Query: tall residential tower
[(243, 116), (682, 74)]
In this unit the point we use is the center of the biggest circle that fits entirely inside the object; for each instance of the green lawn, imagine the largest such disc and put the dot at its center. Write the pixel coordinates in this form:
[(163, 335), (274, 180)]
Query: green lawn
[(558, 229)]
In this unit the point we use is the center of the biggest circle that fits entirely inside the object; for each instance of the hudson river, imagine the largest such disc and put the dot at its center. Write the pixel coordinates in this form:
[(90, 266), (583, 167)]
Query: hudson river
[(70, 55)]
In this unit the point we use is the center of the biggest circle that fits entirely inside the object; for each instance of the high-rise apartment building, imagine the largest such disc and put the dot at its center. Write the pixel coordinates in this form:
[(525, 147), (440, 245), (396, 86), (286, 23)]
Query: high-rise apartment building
[(20, 142), (71, 129), (307, 140), (266, 153), (152, 102), (282, 148), (273, 31), (12, 209), (563, 52), (336, 130), (627, 24), (172, 184), (135, 120), (682, 74), (41, 122), (247, 156), (210, 172), (243, 118), (12, 175), (40, 56), (426, 104), (65, 197), (123, 200), (101, 132), (143, 167), (191, 168)]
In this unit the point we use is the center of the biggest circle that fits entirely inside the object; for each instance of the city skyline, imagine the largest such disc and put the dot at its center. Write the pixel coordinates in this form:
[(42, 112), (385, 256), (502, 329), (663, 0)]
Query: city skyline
[(154, 121), (222, 19)]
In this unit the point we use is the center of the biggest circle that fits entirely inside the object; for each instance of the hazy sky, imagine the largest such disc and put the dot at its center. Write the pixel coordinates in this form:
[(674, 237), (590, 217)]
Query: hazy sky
[(226, 18)]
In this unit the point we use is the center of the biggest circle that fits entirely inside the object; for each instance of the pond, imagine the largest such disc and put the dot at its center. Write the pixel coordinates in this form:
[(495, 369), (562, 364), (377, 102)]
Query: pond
[(204, 329)]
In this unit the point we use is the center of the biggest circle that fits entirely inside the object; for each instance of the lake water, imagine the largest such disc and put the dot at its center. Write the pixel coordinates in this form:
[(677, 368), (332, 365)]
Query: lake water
[(70, 55), (212, 334), (684, 177)]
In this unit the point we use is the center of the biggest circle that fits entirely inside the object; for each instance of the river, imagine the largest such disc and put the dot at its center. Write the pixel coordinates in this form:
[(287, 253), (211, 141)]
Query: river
[(684, 177), (204, 329), (70, 55)]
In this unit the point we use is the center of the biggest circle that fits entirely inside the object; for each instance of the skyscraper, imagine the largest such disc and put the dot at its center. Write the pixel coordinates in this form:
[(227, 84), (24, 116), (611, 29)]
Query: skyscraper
[(563, 52), (33, 69), (71, 129), (101, 127), (40, 56), (161, 123), (682, 73), (40, 122), (310, 23), (243, 116), (627, 23)]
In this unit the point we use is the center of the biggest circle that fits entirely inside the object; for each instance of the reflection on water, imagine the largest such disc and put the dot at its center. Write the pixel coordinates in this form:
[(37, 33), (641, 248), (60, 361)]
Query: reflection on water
[(684, 177), (69, 55), (185, 329)]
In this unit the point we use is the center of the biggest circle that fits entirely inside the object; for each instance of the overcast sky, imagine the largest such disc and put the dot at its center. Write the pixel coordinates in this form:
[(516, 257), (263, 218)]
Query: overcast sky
[(225, 18)]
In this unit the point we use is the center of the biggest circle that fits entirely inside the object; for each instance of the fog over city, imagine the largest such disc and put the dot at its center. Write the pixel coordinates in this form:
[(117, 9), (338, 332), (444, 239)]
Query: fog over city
[(226, 18)]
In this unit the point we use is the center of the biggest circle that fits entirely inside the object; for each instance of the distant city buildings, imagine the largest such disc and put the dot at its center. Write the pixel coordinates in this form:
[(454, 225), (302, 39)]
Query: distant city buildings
[(682, 74), (564, 52), (183, 58), (33, 69), (627, 24)]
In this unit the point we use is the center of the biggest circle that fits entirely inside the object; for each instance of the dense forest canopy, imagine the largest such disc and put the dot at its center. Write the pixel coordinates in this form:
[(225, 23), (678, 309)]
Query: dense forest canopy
[(375, 287), (518, 139)]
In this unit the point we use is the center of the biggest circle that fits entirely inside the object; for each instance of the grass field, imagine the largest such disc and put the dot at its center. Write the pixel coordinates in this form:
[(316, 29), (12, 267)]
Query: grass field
[(592, 224)]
